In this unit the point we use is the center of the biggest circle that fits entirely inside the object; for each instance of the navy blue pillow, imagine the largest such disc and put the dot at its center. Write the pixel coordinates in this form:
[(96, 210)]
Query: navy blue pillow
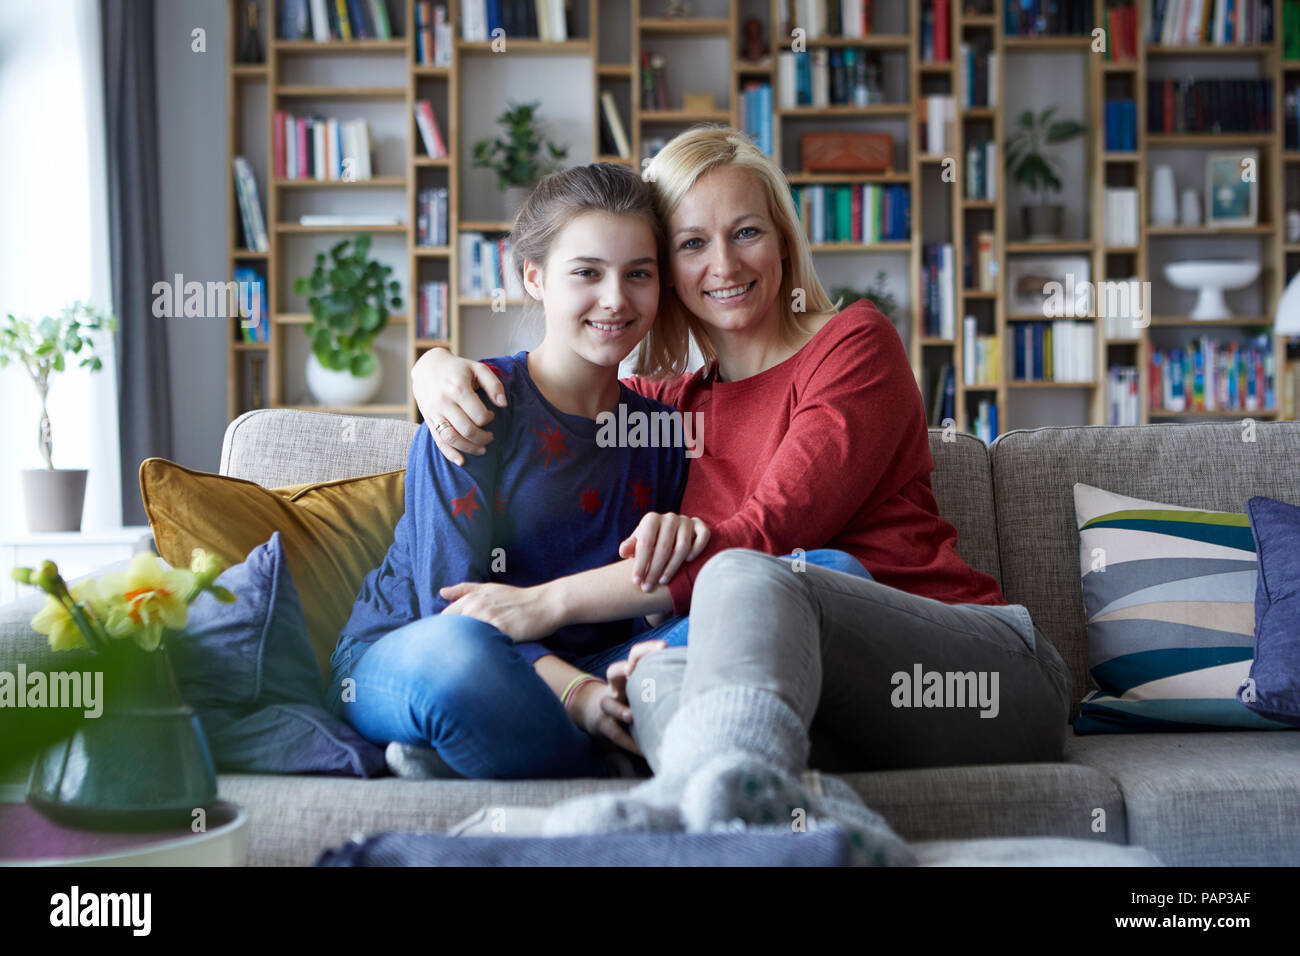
[(1273, 688), (249, 670)]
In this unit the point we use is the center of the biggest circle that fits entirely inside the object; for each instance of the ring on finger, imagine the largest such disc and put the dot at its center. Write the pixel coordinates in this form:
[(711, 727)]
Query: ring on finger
[(441, 425)]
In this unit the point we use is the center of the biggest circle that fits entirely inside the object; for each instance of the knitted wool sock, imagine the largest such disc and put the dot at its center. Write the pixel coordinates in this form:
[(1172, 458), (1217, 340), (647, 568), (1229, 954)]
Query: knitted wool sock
[(413, 762), (718, 721)]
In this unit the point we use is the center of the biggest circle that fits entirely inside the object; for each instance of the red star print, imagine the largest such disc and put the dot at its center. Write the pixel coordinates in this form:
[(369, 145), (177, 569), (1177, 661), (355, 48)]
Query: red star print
[(498, 371), (552, 444), (466, 504), (589, 501), (501, 503), (640, 494)]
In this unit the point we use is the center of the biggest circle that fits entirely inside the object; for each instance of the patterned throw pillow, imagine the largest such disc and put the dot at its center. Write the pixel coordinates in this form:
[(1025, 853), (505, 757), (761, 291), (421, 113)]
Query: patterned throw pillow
[(1169, 594)]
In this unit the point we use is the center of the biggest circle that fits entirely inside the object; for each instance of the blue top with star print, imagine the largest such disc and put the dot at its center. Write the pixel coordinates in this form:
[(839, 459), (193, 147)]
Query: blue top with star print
[(551, 497)]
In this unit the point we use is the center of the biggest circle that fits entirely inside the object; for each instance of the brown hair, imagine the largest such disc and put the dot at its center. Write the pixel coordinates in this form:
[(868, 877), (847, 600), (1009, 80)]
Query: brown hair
[(563, 196), (673, 171)]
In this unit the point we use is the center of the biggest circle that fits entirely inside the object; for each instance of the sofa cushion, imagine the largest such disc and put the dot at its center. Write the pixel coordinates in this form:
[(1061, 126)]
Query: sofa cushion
[(334, 532), (1274, 686), (1212, 465), (1169, 593), (1204, 799)]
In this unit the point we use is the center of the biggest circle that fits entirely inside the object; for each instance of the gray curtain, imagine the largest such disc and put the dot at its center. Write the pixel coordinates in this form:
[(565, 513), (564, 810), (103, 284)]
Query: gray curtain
[(135, 224)]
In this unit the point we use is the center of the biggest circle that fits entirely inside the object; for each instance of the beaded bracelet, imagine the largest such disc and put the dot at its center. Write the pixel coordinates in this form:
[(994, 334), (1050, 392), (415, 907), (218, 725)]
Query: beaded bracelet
[(574, 685)]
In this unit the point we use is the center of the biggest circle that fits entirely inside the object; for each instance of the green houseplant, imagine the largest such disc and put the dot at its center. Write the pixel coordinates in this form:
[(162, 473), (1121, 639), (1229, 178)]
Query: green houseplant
[(1030, 163), (54, 496), (349, 295), (518, 159), (877, 292)]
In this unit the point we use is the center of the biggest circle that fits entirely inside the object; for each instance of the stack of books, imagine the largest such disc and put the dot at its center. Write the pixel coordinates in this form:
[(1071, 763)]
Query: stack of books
[(654, 81), (864, 213), (1122, 396), (938, 119), (1213, 22), (1209, 106), (944, 395), (831, 18), (485, 266), (613, 133), (435, 146), (977, 76), (250, 208), (310, 147), (936, 31), (822, 77), (1047, 17), (326, 20), (252, 305), (982, 169), (1122, 33), (1211, 375), (1059, 351), (432, 34), (938, 293), (980, 355), (756, 113), (431, 217), (1121, 126), (432, 311), (979, 267), (547, 20), (986, 420)]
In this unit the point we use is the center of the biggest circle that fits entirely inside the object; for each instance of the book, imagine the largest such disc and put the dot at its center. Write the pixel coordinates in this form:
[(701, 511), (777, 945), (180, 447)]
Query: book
[(434, 145), (615, 123), (250, 207)]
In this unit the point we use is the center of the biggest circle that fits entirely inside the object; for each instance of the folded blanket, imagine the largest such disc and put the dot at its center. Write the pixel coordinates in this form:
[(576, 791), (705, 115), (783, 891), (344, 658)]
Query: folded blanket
[(826, 846)]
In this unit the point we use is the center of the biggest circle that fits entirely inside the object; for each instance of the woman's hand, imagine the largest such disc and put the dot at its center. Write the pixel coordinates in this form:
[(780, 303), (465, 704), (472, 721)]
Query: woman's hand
[(660, 544), (445, 387), (521, 613), (593, 707)]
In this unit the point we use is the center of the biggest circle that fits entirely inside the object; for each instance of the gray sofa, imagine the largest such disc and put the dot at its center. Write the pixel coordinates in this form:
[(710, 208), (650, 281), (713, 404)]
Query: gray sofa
[(1229, 798)]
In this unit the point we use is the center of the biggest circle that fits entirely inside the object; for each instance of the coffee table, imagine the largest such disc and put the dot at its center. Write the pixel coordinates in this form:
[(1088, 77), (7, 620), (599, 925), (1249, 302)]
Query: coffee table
[(29, 839)]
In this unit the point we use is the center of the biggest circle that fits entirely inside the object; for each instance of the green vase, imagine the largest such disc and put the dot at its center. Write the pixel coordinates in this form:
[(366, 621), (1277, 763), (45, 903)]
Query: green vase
[(143, 763)]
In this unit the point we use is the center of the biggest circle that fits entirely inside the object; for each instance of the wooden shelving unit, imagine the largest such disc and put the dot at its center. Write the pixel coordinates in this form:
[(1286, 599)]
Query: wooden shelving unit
[(615, 61)]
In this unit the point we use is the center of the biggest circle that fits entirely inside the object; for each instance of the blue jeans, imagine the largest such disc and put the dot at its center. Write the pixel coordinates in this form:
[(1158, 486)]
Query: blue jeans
[(460, 686)]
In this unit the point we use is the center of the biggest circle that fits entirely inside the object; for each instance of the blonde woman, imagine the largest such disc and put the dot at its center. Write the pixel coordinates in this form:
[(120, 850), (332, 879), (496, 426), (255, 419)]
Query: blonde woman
[(814, 439)]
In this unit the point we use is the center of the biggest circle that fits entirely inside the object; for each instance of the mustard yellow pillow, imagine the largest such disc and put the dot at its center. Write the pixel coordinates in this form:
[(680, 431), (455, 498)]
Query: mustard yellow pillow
[(334, 532)]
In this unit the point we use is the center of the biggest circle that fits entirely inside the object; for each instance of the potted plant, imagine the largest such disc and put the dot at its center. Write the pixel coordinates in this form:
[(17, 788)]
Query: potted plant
[(140, 758), (1030, 164), (349, 296), (878, 294), (517, 160), (54, 496)]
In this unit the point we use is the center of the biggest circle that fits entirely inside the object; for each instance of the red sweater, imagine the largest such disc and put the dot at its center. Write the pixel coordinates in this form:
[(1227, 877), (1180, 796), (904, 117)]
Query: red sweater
[(828, 449)]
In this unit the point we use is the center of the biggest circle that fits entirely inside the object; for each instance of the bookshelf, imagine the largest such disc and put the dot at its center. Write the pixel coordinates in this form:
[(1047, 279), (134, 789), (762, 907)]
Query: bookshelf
[(381, 80)]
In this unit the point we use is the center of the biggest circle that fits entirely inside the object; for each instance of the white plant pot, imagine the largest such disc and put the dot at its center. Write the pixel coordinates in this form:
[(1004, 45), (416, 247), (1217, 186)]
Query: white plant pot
[(342, 388)]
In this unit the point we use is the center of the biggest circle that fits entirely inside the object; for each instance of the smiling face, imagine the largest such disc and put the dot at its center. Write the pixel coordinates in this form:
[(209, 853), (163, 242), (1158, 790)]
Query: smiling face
[(726, 253), (600, 287)]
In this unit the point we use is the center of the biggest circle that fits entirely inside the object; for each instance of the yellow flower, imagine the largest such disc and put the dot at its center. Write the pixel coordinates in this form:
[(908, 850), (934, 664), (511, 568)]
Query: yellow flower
[(56, 623), (145, 601)]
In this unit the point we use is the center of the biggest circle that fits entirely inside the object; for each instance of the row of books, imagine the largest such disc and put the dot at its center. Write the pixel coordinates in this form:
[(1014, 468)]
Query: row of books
[(433, 310), (654, 81), (1212, 375), (1122, 406), (756, 113), (1209, 106), (1047, 17), (831, 18), (548, 20), (312, 147), (326, 20), (1121, 120), (433, 36), (1121, 216), (985, 424), (612, 132), (1213, 22), (1122, 33), (435, 146), (431, 215), (936, 31), (944, 395), (822, 77), (250, 207), (938, 118), (1291, 29), (979, 265), (938, 293), (1291, 118), (249, 279), (1060, 351), (866, 212), (980, 355), (484, 266), (977, 77), (982, 170)]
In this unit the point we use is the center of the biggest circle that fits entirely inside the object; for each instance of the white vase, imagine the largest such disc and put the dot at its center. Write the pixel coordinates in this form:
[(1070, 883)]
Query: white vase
[(342, 388), (1164, 197), (1191, 211)]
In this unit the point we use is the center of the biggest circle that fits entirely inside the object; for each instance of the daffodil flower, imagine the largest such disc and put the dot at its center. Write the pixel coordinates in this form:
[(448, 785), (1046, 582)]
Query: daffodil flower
[(145, 601), (57, 624)]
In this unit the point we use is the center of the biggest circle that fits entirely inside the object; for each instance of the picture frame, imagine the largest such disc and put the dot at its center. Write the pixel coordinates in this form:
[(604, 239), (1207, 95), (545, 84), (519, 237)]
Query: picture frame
[(1231, 200), (1027, 278)]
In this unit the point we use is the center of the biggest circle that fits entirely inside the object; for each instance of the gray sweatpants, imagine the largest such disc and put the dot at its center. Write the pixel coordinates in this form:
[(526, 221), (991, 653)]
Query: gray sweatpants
[(886, 679)]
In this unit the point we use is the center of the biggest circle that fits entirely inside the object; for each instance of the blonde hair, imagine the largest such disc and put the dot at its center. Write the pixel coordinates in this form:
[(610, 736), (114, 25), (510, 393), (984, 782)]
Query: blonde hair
[(673, 171)]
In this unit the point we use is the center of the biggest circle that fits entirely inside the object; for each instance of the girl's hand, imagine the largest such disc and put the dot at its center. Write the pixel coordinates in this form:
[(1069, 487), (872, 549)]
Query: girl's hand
[(445, 387), (592, 707), (520, 613), (660, 544), (618, 674)]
